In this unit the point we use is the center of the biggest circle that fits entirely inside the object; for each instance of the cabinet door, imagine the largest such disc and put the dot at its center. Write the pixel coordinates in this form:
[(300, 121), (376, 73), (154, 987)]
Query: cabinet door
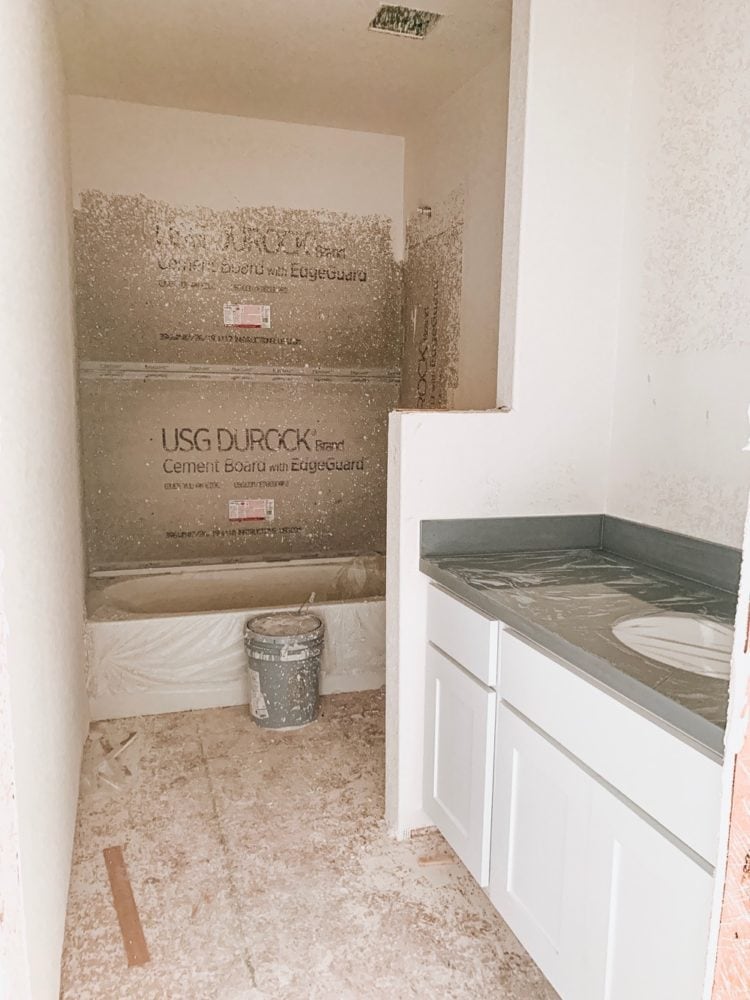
[(541, 810), (459, 739), (649, 908)]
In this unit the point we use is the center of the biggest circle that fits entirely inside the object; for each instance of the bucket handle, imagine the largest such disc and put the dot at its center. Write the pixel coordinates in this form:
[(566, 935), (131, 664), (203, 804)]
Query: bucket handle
[(308, 600)]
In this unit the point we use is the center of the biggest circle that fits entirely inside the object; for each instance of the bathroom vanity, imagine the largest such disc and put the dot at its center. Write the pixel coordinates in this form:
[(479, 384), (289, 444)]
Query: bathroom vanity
[(577, 779)]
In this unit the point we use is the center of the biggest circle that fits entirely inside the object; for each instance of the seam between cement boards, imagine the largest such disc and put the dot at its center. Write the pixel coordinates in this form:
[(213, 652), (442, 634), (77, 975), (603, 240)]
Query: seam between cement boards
[(246, 959)]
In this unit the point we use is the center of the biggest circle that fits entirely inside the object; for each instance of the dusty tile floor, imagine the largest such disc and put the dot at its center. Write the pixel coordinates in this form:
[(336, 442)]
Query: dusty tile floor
[(262, 869)]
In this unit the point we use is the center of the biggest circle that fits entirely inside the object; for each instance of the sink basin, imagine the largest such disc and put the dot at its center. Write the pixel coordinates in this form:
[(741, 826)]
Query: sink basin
[(688, 642)]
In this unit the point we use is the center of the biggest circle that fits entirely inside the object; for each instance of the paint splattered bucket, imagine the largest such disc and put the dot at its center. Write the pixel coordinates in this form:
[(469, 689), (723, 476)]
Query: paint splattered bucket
[(284, 651)]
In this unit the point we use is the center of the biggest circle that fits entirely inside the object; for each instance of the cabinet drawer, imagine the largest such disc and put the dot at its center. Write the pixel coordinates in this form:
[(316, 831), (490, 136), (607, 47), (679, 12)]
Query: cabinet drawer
[(464, 633), (458, 750), (671, 781)]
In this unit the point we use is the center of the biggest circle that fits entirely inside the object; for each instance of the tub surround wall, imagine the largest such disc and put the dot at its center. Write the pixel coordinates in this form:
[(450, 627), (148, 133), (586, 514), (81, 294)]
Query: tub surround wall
[(43, 715), (204, 438), (148, 501), (432, 305), (152, 279), (455, 164)]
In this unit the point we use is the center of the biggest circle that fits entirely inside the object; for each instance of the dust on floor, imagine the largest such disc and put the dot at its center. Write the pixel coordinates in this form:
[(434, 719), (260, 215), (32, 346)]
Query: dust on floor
[(262, 870)]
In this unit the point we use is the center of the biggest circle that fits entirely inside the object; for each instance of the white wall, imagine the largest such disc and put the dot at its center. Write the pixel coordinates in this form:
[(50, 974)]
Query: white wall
[(223, 162), (569, 128), (461, 145), (683, 367), (41, 566)]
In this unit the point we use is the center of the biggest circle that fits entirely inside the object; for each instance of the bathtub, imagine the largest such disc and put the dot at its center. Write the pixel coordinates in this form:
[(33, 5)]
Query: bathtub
[(168, 640)]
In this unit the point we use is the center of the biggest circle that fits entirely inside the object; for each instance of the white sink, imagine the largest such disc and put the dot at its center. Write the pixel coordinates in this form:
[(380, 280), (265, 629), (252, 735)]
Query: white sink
[(688, 642)]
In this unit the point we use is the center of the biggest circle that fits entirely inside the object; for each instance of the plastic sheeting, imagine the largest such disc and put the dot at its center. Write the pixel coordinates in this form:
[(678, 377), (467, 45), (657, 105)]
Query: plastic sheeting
[(151, 665)]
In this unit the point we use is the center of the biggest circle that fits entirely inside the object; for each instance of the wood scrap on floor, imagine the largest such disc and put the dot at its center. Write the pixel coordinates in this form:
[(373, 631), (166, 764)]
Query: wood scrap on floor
[(441, 858), (133, 938)]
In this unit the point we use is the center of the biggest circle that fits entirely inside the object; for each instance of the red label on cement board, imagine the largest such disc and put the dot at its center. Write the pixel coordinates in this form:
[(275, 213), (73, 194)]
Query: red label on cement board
[(251, 510), (247, 314)]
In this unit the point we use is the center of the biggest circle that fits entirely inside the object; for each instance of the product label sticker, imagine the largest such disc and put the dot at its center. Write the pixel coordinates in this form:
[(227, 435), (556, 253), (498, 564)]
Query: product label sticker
[(258, 707), (251, 510), (247, 314)]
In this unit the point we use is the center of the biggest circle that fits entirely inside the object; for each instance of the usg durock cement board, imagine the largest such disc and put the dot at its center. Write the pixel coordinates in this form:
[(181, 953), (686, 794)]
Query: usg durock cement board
[(152, 281), (432, 306), (237, 369), (177, 470)]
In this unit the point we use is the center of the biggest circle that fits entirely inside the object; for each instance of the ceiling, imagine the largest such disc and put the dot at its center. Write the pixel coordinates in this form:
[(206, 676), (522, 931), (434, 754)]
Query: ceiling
[(311, 61)]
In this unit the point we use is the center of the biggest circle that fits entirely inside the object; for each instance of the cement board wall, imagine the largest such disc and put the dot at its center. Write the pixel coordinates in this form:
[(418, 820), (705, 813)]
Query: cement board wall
[(208, 437)]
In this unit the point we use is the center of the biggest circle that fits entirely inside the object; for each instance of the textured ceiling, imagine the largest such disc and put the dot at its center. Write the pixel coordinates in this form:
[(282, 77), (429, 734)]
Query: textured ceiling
[(312, 61)]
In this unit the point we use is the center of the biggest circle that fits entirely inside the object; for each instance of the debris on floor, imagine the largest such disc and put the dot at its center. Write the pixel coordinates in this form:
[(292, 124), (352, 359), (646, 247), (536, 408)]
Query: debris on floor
[(263, 870), (136, 949)]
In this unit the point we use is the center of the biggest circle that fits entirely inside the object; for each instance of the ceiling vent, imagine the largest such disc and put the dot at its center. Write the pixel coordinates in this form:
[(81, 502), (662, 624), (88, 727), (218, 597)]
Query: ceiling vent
[(404, 21)]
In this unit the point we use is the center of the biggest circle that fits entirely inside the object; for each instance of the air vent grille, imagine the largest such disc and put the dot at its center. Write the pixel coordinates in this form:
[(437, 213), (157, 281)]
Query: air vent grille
[(404, 21)]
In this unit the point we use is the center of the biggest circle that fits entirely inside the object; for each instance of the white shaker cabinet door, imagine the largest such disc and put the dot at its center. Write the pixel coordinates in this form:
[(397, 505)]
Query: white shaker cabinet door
[(538, 875), (649, 910), (459, 740)]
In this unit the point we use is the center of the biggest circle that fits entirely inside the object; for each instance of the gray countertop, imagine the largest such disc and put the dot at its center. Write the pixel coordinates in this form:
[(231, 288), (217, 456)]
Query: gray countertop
[(568, 600)]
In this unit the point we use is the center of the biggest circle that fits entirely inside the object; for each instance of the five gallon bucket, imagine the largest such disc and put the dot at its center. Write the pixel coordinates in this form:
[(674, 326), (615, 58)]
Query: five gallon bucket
[(284, 651)]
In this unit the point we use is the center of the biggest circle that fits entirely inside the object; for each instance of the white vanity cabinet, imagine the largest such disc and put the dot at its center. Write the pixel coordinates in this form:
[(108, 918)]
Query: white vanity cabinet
[(594, 829), (609, 907), (459, 727), (611, 904)]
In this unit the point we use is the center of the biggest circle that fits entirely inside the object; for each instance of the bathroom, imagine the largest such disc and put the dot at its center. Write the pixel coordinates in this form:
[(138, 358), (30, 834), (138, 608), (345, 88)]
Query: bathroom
[(535, 233)]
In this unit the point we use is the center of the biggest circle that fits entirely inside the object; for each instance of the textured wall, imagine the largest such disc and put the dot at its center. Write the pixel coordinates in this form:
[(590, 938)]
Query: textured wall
[(41, 560), (683, 364)]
